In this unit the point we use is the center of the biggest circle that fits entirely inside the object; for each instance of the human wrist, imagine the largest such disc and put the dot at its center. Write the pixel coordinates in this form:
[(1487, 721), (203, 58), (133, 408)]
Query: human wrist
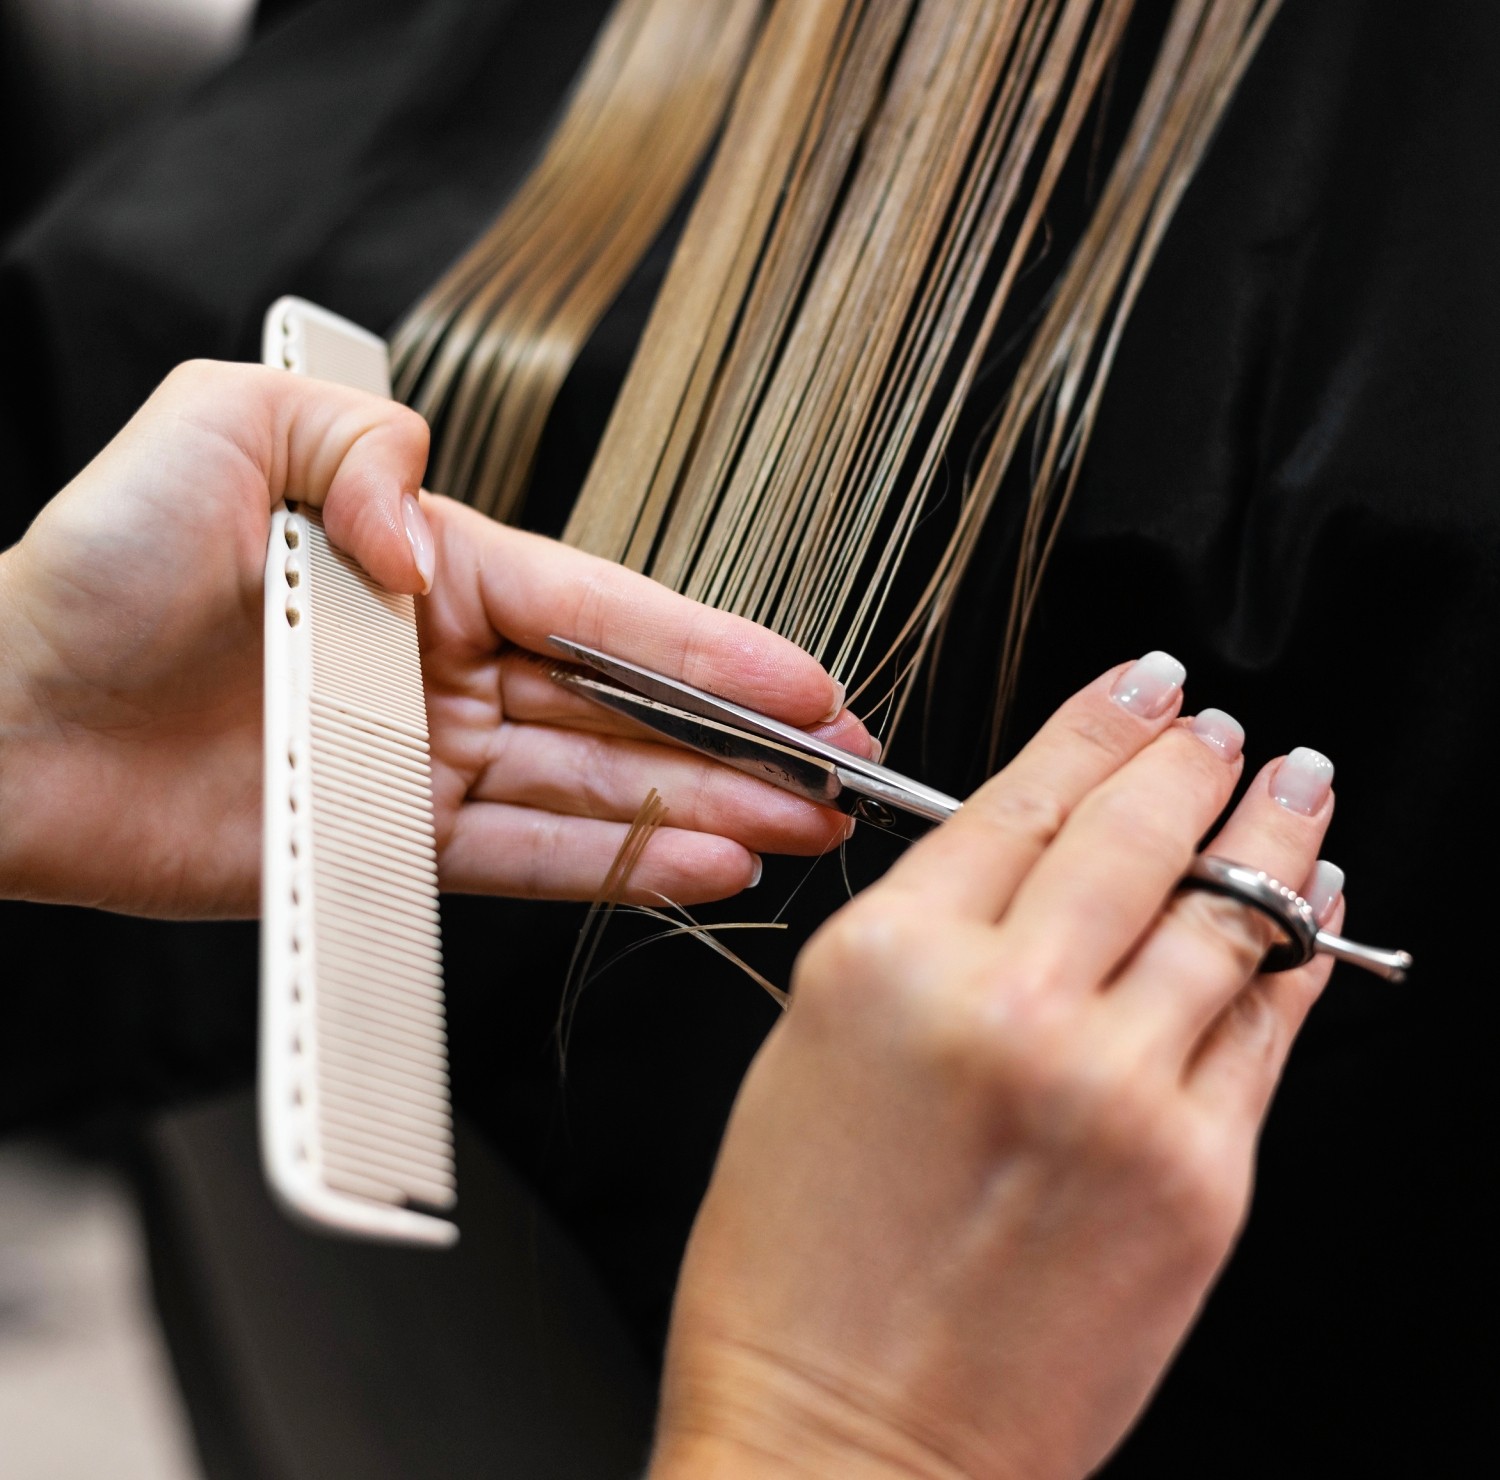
[(743, 1414), (767, 1457)]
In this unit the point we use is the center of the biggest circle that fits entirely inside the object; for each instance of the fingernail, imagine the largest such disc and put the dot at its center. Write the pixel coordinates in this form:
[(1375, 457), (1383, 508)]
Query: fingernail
[(1303, 780), (760, 868), (840, 693), (876, 750), (1149, 685), (419, 536), (1323, 888), (1221, 731)]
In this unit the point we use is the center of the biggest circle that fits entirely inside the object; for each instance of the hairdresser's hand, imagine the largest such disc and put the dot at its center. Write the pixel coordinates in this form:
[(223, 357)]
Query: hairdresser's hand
[(130, 673), (981, 1176)]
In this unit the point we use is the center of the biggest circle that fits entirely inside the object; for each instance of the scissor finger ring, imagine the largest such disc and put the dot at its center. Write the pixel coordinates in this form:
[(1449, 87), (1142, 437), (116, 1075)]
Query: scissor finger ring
[(1293, 916)]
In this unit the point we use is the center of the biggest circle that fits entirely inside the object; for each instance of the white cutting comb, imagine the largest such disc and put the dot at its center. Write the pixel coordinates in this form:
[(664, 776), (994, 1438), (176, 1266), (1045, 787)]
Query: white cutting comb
[(355, 1123)]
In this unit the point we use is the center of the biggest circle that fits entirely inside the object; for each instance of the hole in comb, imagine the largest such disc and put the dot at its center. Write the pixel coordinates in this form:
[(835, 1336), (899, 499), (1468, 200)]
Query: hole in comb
[(293, 614), (290, 534)]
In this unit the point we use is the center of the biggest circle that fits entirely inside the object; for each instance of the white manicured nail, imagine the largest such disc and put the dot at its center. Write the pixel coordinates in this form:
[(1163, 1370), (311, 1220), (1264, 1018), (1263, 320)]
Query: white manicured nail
[(1150, 685), (1221, 732), (1323, 888), (760, 868), (419, 537), (1303, 780), (840, 693)]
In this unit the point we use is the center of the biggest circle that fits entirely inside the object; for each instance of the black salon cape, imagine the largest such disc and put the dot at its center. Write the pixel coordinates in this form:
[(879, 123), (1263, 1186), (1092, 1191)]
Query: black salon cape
[(1295, 487)]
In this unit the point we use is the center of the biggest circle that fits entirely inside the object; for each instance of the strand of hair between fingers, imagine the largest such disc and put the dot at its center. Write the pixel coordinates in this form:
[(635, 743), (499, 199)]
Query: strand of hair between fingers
[(652, 813)]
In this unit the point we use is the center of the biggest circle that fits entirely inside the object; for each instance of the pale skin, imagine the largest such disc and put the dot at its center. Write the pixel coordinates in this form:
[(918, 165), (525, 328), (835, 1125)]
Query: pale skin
[(130, 684), (980, 1177), (979, 1180)]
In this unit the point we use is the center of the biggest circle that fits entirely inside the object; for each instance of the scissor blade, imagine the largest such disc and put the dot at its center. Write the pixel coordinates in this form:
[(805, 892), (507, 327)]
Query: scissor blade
[(783, 766), (677, 694), (863, 778)]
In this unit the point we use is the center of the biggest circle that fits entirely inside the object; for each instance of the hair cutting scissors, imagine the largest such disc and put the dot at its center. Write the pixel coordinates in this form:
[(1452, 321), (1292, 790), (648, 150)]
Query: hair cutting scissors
[(800, 763)]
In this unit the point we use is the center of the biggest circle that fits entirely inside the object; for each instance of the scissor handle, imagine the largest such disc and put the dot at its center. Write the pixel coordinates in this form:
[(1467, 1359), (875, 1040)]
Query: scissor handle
[(1293, 916)]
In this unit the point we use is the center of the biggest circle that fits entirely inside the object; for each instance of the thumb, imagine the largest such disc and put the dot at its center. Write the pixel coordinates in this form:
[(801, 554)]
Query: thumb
[(358, 457)]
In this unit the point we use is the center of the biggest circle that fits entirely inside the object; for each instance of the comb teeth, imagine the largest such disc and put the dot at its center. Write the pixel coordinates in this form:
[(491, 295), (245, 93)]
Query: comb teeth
[(355, 1096), (355, 1121), (380, 979)]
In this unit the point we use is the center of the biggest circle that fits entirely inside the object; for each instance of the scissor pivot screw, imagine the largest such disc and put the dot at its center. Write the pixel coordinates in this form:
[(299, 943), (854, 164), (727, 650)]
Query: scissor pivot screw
[(877, 814)]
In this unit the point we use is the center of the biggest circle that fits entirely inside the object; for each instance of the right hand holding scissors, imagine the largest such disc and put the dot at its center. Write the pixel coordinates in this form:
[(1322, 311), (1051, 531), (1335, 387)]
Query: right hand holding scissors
[(981, 1176)]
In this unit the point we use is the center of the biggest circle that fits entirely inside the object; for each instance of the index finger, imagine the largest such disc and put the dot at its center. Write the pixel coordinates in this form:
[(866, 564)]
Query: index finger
[(973, 864), (533, 587)]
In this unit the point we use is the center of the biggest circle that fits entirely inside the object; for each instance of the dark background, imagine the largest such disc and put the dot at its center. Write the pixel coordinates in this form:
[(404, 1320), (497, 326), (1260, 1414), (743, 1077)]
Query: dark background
[(1294, 486)]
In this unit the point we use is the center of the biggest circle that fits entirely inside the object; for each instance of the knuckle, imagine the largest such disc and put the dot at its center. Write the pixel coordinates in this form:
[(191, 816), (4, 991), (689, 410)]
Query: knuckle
[(411, 426), (1095, 731), (703, 804), (495, 759), (591, 604), (596, 768), (543, 855), (195, 377), (867, 956), (846, 945), (200, 369), (1028, 812), (699, 667)]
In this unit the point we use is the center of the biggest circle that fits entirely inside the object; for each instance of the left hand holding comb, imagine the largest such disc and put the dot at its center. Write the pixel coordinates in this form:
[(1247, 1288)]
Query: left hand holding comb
[(130, 680)]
